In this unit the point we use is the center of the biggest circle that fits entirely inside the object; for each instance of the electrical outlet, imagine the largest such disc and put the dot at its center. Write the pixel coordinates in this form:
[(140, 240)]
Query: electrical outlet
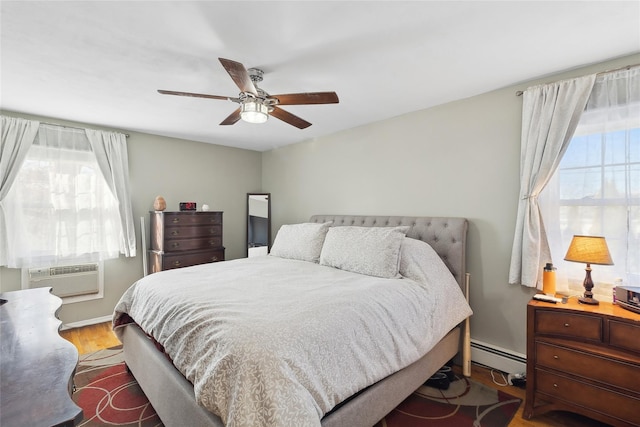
[(517, 378)]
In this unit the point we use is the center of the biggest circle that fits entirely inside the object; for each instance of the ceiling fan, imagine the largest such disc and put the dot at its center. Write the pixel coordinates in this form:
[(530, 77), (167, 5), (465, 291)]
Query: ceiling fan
[(256, 105)]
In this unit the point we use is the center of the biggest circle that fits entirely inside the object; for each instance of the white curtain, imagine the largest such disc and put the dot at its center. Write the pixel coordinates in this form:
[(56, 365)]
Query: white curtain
[(550, 114), (603, 180), (17, 137), (69, 201), (110, 149)]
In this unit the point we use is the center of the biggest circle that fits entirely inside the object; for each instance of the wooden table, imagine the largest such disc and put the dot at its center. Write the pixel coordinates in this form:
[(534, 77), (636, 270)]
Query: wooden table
[(36, 364)]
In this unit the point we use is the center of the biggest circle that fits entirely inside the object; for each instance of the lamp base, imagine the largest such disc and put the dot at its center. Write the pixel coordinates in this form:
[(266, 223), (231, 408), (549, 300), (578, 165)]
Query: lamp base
[(588, 285), (588, 300)]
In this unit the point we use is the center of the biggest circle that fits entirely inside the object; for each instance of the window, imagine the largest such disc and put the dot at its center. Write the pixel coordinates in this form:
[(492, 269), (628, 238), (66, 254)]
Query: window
[(596, 189), (59, 209)]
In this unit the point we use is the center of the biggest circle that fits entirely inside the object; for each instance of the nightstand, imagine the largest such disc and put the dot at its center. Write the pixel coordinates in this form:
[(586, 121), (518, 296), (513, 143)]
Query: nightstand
[(583, 359)]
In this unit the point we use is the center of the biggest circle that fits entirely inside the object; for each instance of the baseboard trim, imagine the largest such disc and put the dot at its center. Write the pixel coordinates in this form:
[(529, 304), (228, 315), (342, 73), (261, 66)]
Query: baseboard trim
[(87, 322), (498, 358)]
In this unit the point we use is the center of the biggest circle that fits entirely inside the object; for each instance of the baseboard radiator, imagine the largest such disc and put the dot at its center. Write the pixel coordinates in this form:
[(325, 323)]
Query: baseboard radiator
[(66, 280), (498, 358)]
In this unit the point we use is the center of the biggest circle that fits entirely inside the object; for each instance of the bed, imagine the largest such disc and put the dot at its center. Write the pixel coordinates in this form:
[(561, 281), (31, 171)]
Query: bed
[(376, 393)]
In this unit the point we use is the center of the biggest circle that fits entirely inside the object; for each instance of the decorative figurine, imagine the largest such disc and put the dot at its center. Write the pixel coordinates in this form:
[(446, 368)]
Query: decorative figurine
[(159, 204)]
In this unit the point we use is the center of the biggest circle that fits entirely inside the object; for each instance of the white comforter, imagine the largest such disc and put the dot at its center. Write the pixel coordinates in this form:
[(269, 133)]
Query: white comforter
[(268, 341)]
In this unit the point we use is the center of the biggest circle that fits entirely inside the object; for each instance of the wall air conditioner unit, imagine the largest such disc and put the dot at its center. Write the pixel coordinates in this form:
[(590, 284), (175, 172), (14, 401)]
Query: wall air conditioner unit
[(67, 281)]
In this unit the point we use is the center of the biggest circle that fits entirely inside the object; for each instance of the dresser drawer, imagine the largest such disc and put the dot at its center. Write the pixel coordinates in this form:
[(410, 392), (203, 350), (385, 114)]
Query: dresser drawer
[(625, 336), (191, 244), (172, 232), (569, 325), (607, 371), (170, 261), (192, 218), (595, 398)]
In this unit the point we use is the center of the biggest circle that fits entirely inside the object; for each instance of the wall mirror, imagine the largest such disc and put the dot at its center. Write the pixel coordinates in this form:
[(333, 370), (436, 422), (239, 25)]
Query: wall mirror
[(258, 223)]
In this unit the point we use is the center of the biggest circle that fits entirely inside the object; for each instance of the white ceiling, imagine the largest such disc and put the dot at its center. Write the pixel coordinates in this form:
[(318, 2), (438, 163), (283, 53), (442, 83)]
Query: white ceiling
[(102, 62)]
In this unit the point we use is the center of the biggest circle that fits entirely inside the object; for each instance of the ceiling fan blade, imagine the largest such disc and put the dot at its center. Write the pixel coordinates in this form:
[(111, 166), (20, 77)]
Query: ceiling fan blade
[(239, 74), (232, 119), (307, 98), (287, 117), (194, 95)]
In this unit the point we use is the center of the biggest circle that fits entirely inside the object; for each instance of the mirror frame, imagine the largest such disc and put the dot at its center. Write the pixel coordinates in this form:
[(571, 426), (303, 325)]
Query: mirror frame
[(268, 196)]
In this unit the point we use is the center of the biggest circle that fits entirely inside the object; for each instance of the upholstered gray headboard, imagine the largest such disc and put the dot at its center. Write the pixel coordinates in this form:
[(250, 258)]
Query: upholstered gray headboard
[(447, 236)]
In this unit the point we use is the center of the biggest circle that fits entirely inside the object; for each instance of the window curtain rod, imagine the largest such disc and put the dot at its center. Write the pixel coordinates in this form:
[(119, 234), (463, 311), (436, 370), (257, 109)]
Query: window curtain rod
[(70, 127), (626, 67)]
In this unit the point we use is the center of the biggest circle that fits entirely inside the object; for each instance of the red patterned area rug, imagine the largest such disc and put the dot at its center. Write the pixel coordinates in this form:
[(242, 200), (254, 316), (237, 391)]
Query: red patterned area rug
[(465, 404), (109, 395)]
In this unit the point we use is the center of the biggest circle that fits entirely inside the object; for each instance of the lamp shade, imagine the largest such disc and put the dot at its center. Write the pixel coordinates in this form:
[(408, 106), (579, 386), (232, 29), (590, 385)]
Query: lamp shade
[(589, 249), (254, 112)]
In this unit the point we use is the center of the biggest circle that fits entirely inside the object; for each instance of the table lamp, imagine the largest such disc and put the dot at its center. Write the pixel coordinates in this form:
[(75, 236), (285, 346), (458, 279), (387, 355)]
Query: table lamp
[(590, 250)]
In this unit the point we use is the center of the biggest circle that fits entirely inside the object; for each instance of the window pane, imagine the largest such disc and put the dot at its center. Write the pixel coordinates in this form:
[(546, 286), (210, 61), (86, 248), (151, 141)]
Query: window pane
[(614, 183), (615, 148), (62, 210), (634, 145), (634, 181), (583, 151), (584, 183)]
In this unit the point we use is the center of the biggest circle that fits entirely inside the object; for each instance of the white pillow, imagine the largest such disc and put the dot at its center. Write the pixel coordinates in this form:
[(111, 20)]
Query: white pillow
[(300, 241), (374, 251)]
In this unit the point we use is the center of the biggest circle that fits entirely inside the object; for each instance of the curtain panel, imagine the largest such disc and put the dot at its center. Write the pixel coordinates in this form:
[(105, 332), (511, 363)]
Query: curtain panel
[(550, 114), (110, 149), (17, 136)]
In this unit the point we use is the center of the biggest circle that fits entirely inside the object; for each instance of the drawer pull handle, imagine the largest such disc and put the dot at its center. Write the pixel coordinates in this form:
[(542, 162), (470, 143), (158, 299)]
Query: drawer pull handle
[(176, 263), (555, 356), (566, 325), (176, 220), (175, 245), (214, 258), (175, 232), (212, 242), (555, 385)]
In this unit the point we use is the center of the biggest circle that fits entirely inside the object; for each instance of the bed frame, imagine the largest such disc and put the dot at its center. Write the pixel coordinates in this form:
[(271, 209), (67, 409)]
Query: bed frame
[(172, 395)]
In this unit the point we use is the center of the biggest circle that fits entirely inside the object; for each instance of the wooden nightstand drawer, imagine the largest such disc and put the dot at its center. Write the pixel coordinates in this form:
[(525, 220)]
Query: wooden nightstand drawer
[(616, 405), (608, 371), (569, 325), (625, 336)]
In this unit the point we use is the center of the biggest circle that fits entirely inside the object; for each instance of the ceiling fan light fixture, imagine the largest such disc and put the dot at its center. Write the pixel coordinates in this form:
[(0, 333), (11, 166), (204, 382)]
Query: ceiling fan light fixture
[(254, 112)]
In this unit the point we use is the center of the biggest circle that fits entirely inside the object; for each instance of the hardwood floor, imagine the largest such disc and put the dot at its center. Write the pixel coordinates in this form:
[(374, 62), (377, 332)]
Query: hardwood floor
[(96, 337), (91, 338)]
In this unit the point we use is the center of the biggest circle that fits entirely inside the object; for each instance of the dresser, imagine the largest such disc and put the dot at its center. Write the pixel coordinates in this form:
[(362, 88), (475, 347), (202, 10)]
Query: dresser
[(36, 364), (583, 359), (182, 239)]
